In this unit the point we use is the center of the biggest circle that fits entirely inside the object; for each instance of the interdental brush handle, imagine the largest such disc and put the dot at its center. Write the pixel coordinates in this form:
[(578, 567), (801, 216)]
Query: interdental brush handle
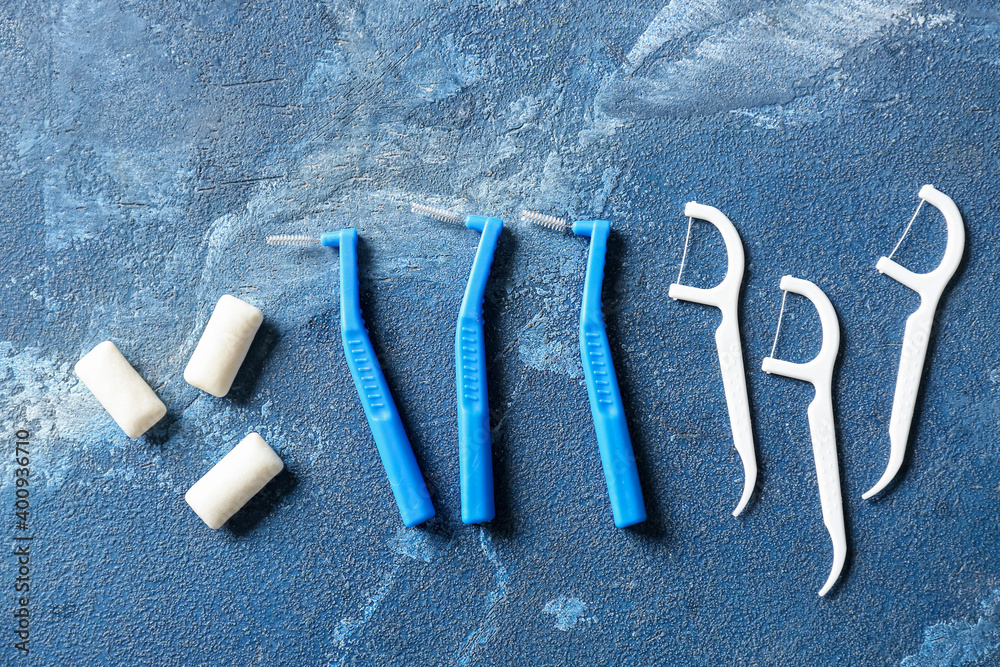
[(917, 333), (475, 458), (613, 439), (819, 373), (394, 448), (725, 296)]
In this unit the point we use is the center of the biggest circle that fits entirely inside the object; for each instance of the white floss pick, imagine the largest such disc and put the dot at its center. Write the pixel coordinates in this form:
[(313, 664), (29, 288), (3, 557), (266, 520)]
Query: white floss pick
[(223, 345), (822, 430), (234, 480), (120, 389)]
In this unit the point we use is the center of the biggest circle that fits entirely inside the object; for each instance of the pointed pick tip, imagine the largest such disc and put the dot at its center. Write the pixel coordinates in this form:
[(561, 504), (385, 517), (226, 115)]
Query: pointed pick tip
[(831, 580), (749, 478), (747, 492), (839, 558), (880, 485)]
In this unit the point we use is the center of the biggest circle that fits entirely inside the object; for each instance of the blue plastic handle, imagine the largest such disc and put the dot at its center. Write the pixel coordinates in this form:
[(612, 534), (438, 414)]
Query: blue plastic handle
[(613, 439), (475, 456), (393, 446)]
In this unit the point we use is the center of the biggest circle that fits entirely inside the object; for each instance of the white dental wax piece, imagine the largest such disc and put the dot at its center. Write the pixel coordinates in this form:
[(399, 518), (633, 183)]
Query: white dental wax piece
[(223, 345), (122, 392), (233, 481)]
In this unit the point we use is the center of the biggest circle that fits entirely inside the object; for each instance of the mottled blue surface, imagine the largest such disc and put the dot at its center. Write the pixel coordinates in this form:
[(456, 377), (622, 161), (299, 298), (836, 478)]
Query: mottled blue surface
[(146, 150)]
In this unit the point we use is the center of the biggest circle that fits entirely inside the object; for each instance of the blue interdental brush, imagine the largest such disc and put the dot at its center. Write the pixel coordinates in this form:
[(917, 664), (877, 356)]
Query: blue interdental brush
[(606, 406), (393, 446), (475, 458)]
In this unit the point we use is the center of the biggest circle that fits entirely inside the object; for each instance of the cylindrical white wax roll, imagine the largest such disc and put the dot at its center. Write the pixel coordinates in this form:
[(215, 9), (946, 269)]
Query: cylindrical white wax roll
[(120, 389), (223, 345), (233, 481)]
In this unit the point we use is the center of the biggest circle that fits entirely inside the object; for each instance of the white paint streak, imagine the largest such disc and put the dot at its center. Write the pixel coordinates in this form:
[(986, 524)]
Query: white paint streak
[(418, 544), (347, 627), (715, 55), (48, 392), (677, 20), (961, 642), (932, 21), (538, 351), (415, 544), (567, 610), (496, 602)]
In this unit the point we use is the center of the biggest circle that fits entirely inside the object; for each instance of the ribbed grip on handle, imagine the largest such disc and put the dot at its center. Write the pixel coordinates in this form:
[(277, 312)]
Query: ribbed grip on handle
[(394, 448), (367, 374), (617, 457), (475, 456), (613, 439), (599, 370), (606, 406)]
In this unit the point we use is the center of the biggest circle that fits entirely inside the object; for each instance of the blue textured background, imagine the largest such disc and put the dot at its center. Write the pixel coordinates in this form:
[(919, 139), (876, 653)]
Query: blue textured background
[(145, 151)]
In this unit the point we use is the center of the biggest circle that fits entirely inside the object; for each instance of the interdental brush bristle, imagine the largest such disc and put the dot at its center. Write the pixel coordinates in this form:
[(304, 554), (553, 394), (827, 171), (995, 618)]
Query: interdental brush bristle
[(437, 213), (549, 221), (291, 239)]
